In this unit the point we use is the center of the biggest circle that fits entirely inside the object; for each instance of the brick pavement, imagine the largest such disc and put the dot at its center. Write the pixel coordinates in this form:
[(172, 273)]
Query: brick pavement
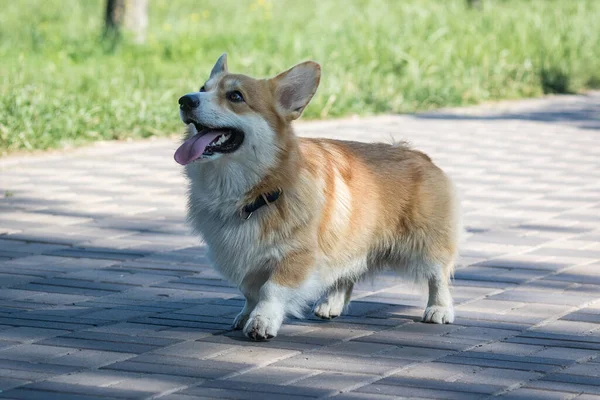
[(105, 294)]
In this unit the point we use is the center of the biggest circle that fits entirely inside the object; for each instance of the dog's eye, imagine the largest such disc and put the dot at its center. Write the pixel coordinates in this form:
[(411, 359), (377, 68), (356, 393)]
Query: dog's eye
[(203, 89), (235, 96)]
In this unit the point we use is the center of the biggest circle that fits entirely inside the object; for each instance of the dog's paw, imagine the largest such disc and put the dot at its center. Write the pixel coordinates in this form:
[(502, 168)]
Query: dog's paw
[(240, 321), (329, 307), (439, 315), (260, 327)]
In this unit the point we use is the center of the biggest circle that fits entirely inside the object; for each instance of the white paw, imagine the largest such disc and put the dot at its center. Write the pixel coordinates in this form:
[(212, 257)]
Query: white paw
[(330, 307), (261, 327), (240, 321), (439, 315)]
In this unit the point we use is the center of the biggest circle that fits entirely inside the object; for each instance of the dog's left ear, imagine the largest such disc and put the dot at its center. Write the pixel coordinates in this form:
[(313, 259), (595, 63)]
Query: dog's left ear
[(295, 87), (220, 66)]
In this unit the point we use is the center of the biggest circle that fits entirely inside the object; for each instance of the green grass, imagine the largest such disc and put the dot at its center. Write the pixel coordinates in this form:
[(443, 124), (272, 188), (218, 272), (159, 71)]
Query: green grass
[(61, 86)]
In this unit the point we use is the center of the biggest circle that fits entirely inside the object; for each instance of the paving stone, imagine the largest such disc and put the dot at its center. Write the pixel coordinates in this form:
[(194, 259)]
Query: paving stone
[(528, 363), (364, 396), (585, 369), (421, 391), (41, 287), (106, 345), (274, 375), (587, 397), (179, 396), (556, 342), (436, 342), (9, 383), (28, 334), (200, 350), (91, 358), (98, 377), (341, 363), (31, 394), (499, 377), (562, 386), (440, 385), (482, 333), (567, 353), (202, 393), (186, 367), (33, 352), (61, 389), (414, 353), (259, 389), (589, 380), (535, 394), (36, 369), (129, 276), (155, 383), (358, 348), (251, 356), (561, 327), (531, 296), (514, 349), (22, 375), (496, 326), (436, 371), (238, 339)]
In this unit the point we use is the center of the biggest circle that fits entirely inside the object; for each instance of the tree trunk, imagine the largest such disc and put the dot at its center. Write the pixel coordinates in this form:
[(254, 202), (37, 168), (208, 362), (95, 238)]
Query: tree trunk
[(136, 19), (113, 19), (131, 14)]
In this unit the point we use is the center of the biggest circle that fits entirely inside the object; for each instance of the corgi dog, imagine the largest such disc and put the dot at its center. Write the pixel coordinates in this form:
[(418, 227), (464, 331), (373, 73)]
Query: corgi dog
[(292, 221)]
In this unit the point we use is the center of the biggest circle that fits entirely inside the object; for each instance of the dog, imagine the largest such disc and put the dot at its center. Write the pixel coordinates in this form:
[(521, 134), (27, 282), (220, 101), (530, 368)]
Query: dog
[(292, 220)]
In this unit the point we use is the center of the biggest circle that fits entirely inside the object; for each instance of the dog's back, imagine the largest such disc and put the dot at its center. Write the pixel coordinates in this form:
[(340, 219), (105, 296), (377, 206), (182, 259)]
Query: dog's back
[(388, 200)]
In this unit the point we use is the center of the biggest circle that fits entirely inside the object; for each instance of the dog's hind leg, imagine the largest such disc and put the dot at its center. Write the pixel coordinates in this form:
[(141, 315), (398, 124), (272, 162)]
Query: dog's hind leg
[(333, 302), (439, 306)]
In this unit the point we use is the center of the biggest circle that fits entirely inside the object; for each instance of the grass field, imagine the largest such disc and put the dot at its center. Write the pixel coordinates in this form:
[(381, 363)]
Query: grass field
[(60, 85)]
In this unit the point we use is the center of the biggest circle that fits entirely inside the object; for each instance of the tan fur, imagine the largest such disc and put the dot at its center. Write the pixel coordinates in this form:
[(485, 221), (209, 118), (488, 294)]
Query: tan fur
[(395, 193)]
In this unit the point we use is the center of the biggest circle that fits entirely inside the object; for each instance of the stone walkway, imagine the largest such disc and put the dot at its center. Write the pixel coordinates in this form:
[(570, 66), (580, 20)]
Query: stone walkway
[(105, 294)]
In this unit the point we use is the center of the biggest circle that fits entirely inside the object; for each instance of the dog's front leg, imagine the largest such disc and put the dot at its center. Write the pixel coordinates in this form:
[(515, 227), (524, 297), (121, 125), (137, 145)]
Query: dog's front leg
[(285, 291), (250, 287), (266, 318)]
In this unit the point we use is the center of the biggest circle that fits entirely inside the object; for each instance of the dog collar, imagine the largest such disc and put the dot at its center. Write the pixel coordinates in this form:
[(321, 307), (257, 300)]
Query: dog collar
[(265, 199)]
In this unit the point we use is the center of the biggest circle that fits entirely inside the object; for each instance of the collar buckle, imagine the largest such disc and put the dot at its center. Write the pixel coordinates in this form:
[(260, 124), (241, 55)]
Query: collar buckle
[(265, 199), (245, 215)]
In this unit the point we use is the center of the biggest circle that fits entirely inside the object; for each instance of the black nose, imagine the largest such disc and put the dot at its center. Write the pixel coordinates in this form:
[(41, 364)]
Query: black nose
[(189, 102)]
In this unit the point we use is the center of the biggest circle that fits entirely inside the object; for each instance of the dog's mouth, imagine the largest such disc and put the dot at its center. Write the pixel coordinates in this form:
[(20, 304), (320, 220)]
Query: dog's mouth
[(207, 142)]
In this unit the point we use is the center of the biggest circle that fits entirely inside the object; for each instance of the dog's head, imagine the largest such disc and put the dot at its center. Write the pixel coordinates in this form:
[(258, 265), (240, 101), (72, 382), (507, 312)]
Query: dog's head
[(235, 116)]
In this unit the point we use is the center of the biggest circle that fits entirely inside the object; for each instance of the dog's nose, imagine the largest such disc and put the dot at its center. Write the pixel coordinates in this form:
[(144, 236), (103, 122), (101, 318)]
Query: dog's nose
[(189, 102)]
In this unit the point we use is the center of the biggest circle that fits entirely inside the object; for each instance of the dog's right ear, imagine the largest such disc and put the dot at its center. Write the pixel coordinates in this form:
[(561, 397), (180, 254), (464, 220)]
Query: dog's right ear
[(295, 87), (220, 67)]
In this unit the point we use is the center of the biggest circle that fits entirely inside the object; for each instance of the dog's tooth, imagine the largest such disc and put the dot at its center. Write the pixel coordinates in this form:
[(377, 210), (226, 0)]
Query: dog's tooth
[(223, 139)]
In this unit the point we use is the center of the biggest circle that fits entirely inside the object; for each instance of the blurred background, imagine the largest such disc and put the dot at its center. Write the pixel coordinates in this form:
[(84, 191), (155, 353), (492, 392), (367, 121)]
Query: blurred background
[(75, 71)]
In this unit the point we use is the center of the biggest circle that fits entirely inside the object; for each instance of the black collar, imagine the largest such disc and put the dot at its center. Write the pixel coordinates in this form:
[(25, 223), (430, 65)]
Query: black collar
[(264, 199)]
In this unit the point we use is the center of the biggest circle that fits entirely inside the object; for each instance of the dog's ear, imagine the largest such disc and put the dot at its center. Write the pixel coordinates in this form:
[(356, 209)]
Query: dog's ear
[(220, 66), (295, 87)]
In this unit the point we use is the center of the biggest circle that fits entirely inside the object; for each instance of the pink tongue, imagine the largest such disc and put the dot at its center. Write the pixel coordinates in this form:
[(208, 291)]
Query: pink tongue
[(193, 148)]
